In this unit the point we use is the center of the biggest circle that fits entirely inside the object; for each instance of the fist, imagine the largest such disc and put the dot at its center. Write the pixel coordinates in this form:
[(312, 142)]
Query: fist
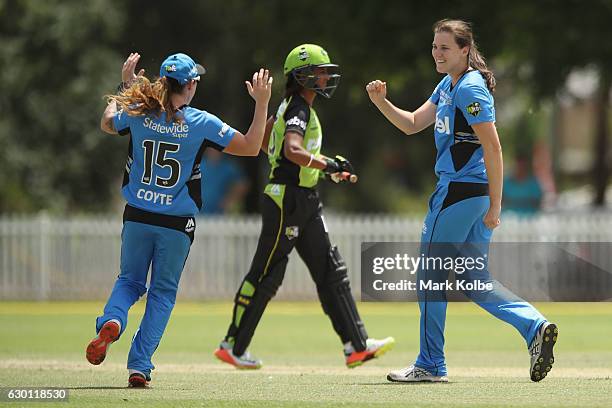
[(377, 91)]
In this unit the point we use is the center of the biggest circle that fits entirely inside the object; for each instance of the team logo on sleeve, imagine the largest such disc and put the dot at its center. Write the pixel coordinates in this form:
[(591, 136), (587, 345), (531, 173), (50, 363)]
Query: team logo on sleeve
[(473, 108)]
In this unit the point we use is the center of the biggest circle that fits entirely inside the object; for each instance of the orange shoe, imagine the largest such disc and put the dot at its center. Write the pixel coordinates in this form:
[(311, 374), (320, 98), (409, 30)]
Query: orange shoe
[(243, 362), (98, 347), (375, 348)]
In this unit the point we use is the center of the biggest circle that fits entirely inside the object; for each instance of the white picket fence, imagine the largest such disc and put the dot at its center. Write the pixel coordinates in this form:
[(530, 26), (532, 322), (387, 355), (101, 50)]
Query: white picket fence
[(44, 258)]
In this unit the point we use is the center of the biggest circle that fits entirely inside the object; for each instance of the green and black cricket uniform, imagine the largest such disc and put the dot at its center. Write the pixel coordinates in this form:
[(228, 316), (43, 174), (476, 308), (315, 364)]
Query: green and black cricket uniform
[(292, 217)]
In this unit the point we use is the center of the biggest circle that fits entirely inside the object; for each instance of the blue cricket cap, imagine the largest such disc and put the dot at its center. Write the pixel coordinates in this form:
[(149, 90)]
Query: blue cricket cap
[(181, 67)]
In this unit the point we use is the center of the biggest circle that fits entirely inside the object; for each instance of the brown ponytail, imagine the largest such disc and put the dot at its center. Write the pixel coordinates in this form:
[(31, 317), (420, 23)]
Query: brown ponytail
[(146, 98), (462, 31)]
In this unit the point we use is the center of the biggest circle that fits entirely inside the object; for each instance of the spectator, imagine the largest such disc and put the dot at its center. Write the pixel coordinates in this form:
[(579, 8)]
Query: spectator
[(522, 191), (224, 184)]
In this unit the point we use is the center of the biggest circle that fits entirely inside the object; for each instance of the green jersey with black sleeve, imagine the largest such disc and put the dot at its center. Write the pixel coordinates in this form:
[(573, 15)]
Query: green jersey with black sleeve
[(295, 115), (292, 218)]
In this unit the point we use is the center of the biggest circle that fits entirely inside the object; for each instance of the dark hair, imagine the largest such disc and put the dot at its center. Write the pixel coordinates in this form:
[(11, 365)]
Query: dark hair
[(144, 97), (292, 87), (462, 31)]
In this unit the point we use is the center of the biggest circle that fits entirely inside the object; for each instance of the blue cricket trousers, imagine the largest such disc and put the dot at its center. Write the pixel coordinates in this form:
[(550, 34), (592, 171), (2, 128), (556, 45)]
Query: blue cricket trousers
[(455, 220), (165, 250)]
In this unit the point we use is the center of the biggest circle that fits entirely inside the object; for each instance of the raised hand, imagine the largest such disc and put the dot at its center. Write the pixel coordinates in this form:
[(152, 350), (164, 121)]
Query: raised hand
[(261, 88), (377, 91), (127, 72)]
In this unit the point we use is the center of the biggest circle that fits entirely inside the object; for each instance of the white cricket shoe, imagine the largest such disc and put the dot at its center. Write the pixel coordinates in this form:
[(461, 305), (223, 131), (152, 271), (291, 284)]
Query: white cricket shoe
[(414, 374)]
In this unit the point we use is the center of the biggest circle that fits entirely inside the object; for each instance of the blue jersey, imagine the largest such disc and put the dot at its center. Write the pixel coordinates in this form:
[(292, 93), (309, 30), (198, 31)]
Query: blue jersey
[(460, 155), (219, 177), (162, 174)]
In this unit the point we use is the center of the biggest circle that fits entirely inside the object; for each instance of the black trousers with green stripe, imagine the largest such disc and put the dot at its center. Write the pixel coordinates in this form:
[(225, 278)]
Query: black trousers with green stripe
[(293, 218)]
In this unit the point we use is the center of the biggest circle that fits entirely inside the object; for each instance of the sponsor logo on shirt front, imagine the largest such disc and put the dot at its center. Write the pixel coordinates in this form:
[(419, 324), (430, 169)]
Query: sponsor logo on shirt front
[(443, 125), (445, 99), (313, 144)]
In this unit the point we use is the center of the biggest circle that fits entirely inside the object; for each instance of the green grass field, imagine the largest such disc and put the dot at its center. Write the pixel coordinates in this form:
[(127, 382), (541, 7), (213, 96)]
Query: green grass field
[(42, 344)]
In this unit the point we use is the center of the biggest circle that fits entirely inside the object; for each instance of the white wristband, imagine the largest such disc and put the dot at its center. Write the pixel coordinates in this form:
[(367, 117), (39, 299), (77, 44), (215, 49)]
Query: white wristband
[(311, 159)]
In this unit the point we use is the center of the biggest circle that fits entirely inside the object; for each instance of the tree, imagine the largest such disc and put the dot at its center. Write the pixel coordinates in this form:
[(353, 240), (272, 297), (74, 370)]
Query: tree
[(554, 38), (60, 57), (56, 58)]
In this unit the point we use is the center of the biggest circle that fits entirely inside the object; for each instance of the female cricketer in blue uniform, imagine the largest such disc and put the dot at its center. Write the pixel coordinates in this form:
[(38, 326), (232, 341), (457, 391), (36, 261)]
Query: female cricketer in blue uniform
[(466, 203), (161, 185)]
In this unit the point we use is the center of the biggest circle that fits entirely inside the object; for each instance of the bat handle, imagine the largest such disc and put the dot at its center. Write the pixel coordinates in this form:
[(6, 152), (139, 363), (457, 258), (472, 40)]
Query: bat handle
[(350, 177)]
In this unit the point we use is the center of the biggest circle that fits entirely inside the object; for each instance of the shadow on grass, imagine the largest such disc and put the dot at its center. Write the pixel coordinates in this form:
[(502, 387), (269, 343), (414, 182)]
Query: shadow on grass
[(100, 388), (398, 383)]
